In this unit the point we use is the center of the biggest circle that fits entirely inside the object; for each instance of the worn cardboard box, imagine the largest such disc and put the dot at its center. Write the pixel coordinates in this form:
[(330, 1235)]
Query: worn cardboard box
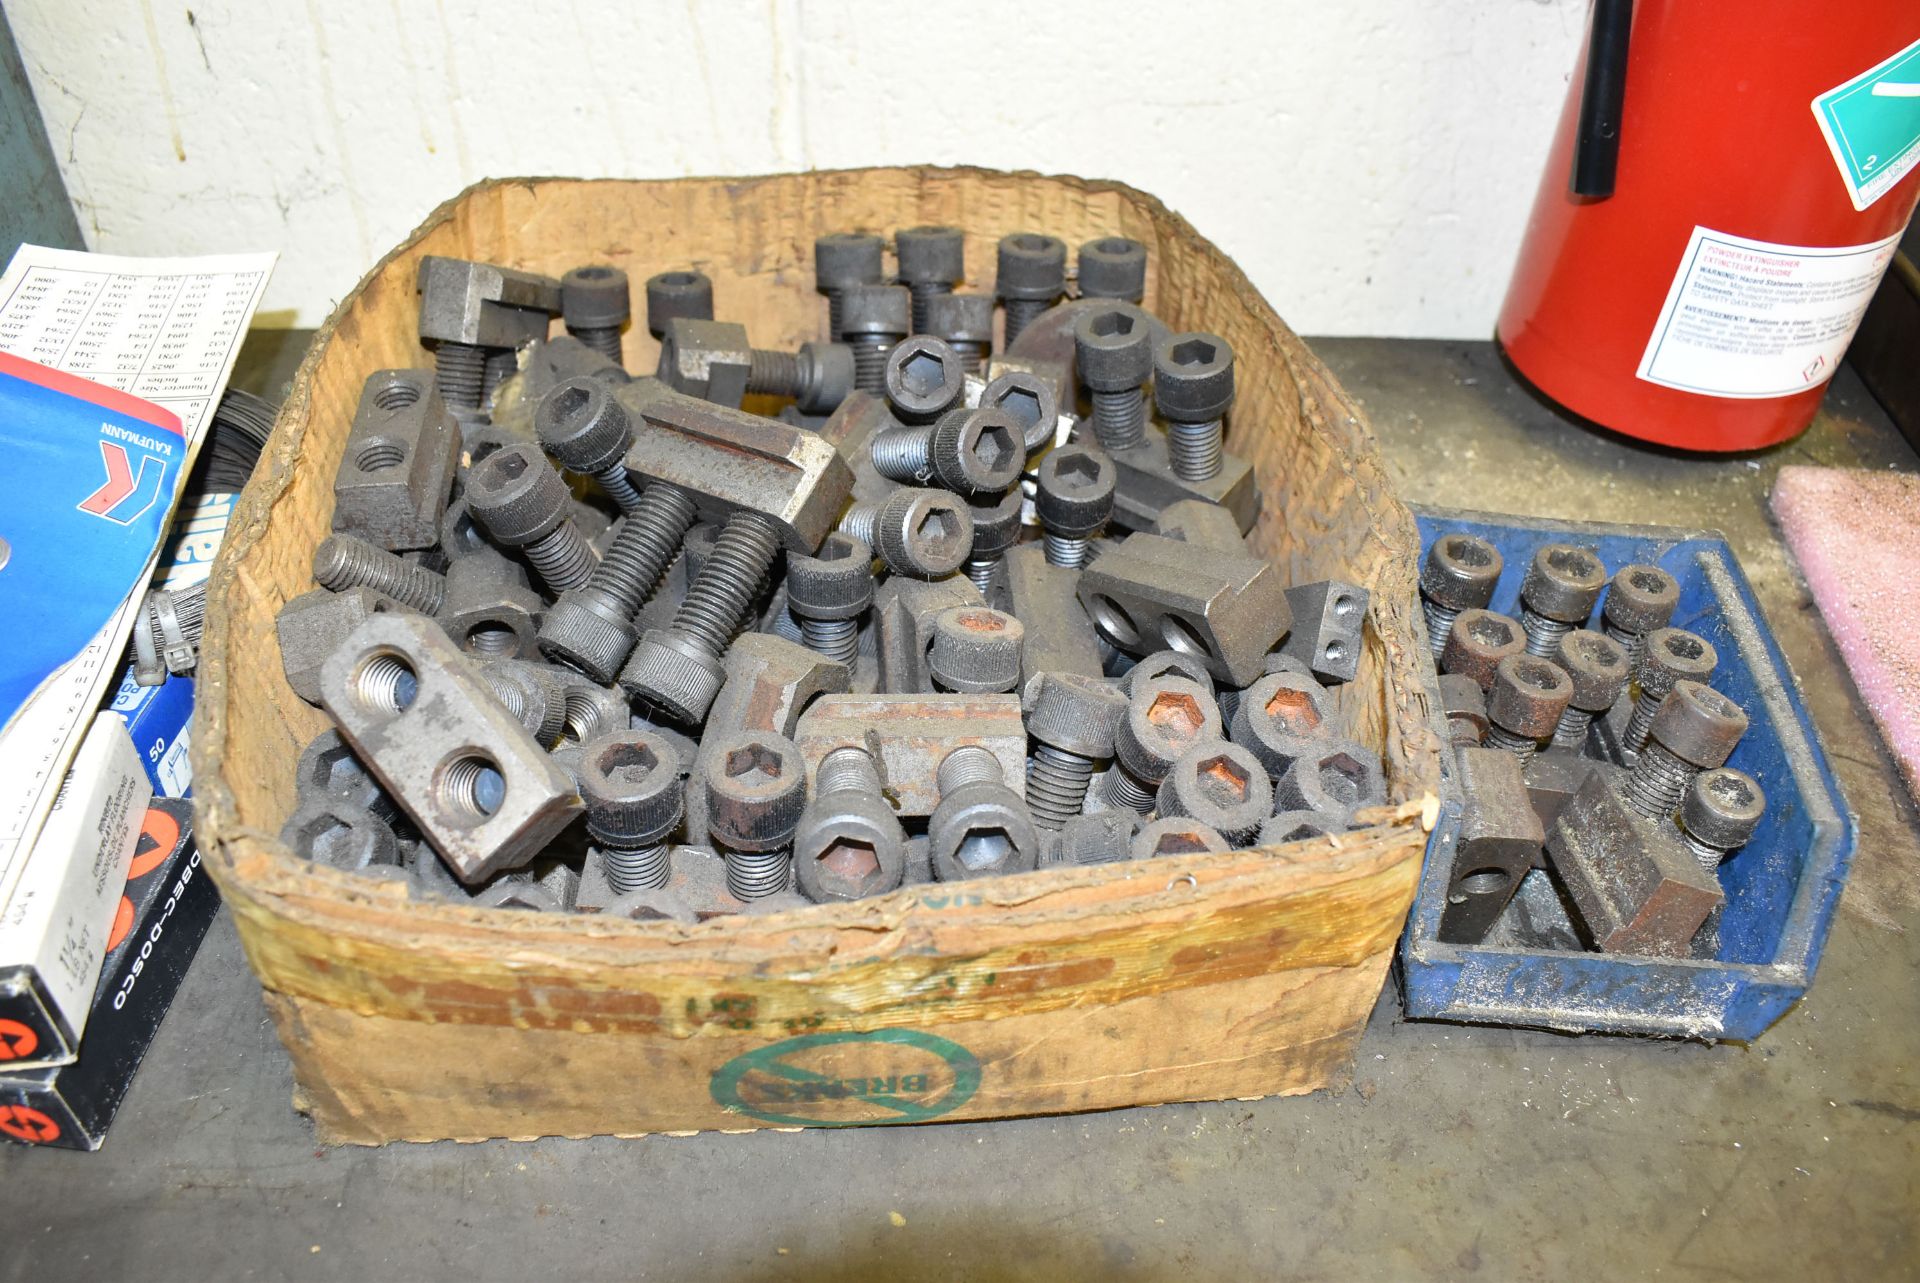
[(1243, 974)]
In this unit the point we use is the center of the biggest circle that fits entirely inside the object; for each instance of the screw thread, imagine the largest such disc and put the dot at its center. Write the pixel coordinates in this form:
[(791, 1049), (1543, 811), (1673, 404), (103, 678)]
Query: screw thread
[(773, 373), (348, 561), (968, 764), (835, 312), (755, 875), (1020, 313), (923, 293), (1125, 791), (971, 352), (1638, 726), (1066, 550), (619, 486), (837, 639), (502, 364), (1057, 785), (1708, 854), (563, 557), (787, 627), (1543, 634), (1627, 638), (870, 363), (903, 454), (1193, 449), (644, 548), (1572, 730), (719, 598), (604, 339), (847, 770), (641, 869), (1119, 418), (1657, 782), (980, 571), (460, 372), (1439, 623), (862, 522), (1519, 745)]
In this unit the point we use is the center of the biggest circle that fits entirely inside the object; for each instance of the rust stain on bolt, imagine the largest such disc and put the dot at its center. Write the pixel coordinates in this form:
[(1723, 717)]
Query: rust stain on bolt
[(1294, 709)]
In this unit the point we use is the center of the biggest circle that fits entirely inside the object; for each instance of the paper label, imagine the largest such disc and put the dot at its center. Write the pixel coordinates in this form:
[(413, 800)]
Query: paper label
[(1756, 319), (1872, 125)]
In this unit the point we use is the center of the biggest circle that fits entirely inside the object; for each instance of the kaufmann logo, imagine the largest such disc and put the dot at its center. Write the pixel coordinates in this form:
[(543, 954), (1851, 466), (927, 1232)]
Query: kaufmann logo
[(849, 1079)]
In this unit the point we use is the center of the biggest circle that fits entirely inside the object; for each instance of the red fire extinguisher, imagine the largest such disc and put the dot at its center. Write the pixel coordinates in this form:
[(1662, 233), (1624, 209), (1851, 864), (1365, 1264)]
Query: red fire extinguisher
[(1724, 192)]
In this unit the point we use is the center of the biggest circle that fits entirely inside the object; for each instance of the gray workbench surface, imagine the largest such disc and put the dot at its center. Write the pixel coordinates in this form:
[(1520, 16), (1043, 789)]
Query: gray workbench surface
[(1453, 1151)]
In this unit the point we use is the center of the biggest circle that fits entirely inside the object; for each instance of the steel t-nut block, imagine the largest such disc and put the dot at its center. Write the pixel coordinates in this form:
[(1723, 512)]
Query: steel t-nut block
[(398, 465), (1328, 618), (1500, 839), (911, 735), (1226, 608)]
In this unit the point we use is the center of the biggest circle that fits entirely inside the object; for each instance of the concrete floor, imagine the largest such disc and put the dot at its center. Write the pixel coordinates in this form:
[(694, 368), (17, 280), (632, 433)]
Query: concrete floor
[(1454, 1151)]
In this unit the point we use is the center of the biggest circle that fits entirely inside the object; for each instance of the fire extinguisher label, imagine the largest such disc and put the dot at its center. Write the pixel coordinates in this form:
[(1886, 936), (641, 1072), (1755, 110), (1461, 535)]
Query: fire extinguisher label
[(1872, 125), (1755, 319)]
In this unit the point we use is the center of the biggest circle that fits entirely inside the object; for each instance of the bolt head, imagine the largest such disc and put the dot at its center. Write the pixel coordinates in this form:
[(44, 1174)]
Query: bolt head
[(1641, 598), (923, 377), (1031, 402), (1461, 571), (1031, 266), (1113, 347), (1074, 490), (1193, 377), (1113, 267), (1563, 582), (594, 297)]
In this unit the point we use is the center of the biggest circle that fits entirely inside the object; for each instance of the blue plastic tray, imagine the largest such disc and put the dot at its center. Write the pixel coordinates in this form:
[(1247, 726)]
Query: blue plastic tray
[(1781, 888)]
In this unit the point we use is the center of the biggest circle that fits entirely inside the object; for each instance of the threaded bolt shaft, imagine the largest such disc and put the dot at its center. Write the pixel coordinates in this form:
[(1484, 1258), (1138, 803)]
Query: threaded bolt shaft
[(837, 639), (1057, 783), (1439, 623), (1708, 854), (903, 454), (1119, 418), (1572, 730), (847, 770), (755, 875), (773, 373), (968, 764), (972, 354), (1657, 782), (1066, 550), (923, 293), (644, 547), (787, 627), (1020, 313), (836, 311), (1634, 643), (1125, 791), (1543, 634), (502, 364), (619, 487), (604, 339), (641, 869), (1519, 745), (563, 556), (1641, 723), (870, 363), (720, 596), (980, 571), (348, 561), (460, 372), (1193, 449)]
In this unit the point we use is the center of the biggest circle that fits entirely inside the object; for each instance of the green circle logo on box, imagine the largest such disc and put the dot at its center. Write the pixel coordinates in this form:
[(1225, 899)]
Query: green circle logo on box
[(849, 1079)]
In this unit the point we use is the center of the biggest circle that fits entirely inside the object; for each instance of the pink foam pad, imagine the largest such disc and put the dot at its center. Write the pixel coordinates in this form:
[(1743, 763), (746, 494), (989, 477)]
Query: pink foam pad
[(1856, 536)]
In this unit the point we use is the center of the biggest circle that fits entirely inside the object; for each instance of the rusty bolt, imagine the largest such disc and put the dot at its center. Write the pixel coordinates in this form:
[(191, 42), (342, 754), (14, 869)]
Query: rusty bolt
[(1562, 584), (1479, 640), (1460, 573)]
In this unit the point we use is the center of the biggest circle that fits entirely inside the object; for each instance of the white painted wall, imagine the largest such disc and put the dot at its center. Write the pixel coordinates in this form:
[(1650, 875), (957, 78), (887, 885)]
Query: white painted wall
[(1369, 162)]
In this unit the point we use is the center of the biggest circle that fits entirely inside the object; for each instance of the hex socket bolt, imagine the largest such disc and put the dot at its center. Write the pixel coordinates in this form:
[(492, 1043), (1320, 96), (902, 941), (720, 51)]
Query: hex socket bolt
[(1113, 267), (1113, 351), (1219, 784), (918, 532), (842, 260), (1072, 721), (1722, 809), (675, 295), (923, 379), (1031, 277), (595, 305), (1667, 656), (1167, 663), (756, 789), (632, 785), (981, 828), (996, 528), (1193, 389), (1460, 573), (1165, 719), (1694, 730), (1598, 667), (521, 502), (970, 452), (677, 668), (1561, 586), (1073, 497), (1178, 835), (348, 561), (849, 844), (1029, 399), (817, 376), (873, 319), (965, 323), (828, 592), (1281, 718), (975, 650), (591, 627), (1478, 641), (1528, 698), (580, 423), (472, 313), (932, 260), (1640, 599)]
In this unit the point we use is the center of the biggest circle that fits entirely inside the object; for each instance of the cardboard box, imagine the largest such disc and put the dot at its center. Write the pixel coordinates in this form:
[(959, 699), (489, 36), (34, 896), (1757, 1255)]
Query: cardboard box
[(1240, 974), (55, 925), (164, 911)]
